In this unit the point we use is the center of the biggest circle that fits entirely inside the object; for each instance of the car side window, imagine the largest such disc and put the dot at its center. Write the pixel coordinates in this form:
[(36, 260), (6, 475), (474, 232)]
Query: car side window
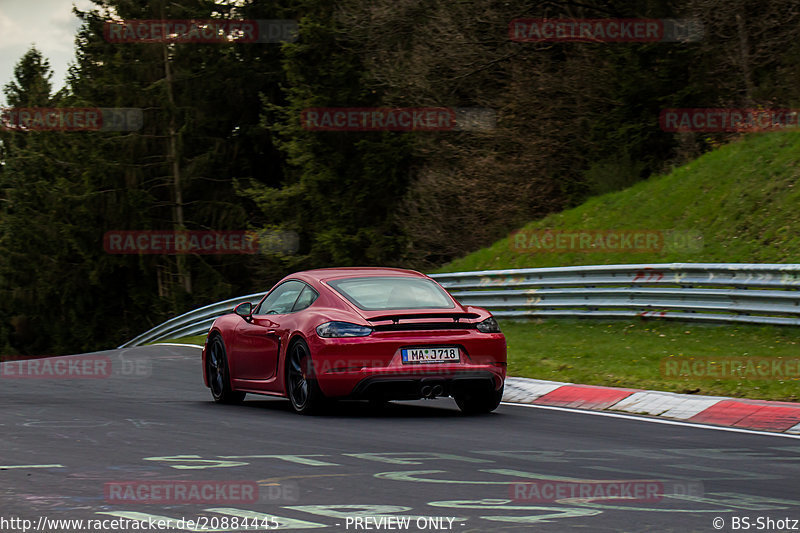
[(305, 299), (281, 300)]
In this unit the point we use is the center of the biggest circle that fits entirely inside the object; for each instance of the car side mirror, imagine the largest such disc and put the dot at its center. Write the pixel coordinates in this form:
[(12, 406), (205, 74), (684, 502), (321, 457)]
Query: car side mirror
[(244, 309)]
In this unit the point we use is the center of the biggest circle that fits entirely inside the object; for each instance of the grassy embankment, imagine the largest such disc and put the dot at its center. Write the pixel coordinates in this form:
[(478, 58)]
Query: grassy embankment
[(743, 199)]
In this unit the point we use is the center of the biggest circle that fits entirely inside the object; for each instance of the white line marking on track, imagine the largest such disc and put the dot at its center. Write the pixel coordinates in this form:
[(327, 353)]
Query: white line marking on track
[(176, 344), (655, 420), (7, 467)]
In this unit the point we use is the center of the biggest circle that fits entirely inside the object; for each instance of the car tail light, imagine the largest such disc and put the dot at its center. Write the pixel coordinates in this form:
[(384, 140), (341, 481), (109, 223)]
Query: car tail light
[(342, 329), (489, 326)]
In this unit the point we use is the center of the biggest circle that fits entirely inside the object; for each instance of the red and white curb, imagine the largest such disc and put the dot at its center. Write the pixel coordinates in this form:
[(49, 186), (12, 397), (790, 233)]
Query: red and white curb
[(781, 417)]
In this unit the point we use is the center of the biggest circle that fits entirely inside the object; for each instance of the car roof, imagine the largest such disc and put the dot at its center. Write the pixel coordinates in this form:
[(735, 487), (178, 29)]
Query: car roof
[(322, 274)]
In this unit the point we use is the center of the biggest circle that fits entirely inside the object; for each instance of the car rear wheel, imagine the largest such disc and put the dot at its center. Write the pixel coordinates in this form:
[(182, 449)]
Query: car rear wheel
[(301, 386), (219, 375), (479, 402)]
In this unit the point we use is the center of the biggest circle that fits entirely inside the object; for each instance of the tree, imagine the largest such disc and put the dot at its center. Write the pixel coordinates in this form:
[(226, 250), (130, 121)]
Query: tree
[(31, 191), (200, 105), (341, 189), (31, 84)]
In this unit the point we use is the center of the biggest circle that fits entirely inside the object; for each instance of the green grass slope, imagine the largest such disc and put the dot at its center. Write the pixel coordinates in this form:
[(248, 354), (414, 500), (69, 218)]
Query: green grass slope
[(740, 203)]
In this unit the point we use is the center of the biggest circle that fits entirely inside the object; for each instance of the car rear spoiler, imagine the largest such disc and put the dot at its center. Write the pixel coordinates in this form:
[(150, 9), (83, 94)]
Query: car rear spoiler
[(396, 318)]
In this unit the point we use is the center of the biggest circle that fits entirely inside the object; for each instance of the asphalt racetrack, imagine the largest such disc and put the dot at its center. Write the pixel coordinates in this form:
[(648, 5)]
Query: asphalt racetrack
[(144, 442)]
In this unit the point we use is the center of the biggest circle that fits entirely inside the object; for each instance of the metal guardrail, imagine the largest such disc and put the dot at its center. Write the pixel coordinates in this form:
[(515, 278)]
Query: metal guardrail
[(195, 322), (718, 292), (714, 292)]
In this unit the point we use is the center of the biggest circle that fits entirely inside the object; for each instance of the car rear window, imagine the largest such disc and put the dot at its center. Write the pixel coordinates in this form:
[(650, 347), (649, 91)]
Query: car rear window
[(385, 293)]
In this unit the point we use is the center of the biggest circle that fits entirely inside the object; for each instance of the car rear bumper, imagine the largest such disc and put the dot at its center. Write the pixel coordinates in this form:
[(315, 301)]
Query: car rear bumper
[(412, 388), (372, 367)]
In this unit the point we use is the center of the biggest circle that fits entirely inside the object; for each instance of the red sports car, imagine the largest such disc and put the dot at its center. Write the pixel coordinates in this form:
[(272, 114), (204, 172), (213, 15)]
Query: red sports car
[(357, 333)]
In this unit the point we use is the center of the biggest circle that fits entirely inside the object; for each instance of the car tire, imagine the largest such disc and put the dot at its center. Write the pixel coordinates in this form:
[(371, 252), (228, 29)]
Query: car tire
[(219, 374), (479, 402), (302, 389)]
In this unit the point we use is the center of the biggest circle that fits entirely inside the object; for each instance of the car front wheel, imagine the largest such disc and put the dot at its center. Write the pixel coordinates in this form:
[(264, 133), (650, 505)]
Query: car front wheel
[(219, 374)]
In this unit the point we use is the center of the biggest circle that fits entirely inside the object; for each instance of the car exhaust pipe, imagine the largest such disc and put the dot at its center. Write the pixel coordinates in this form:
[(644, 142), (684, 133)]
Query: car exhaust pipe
[(431, 391)]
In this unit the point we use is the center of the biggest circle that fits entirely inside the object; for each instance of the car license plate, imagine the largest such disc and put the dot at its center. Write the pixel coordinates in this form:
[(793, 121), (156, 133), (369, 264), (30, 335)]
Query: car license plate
[(431, 355)]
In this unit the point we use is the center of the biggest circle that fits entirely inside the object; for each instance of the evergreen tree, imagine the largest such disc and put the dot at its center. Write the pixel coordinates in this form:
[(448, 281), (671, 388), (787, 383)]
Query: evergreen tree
[(341, 189)]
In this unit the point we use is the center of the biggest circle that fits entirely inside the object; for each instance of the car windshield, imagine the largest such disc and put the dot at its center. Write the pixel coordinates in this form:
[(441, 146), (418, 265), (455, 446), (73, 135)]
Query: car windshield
[(384, 293)]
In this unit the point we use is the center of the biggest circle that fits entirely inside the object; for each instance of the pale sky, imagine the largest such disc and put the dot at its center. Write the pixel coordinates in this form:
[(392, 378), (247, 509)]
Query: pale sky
[(48, 24)]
